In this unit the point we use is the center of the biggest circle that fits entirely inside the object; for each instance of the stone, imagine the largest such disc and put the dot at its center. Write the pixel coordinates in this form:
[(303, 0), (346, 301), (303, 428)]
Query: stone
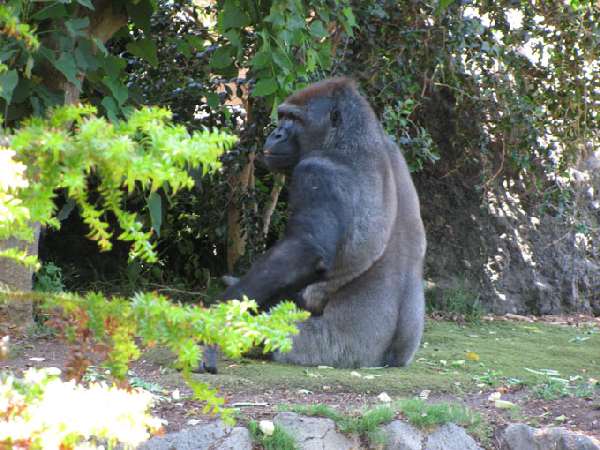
[(314, 433), (208, 436), (519, 436), (402, 436), (450, 437)]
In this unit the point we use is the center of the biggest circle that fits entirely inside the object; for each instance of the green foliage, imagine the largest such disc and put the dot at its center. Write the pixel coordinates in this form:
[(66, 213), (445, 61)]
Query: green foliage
[(49, 278), (294, 41), (117, 329), (62, 151), (417, 144), (552, 386), (32, 417), (279, 440), (458, 302)]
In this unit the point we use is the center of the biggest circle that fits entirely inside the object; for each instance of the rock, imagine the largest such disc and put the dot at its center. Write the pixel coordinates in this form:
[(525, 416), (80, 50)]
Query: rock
[(519, 436), (314, 433), (208, 436), (402, 436), (451, 437)]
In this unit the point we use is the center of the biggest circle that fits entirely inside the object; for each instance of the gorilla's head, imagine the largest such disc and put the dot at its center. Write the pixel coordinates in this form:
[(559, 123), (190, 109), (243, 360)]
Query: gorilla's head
[(305, 122)]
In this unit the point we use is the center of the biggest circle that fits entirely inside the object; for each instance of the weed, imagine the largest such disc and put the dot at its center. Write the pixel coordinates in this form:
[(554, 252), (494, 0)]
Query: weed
[(315, 410), (425, 415), (490, 377), (551, 389), (279, 440), (457, 301), (49, 278)]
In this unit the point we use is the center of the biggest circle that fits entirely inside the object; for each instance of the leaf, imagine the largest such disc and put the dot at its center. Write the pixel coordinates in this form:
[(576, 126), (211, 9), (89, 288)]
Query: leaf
[(87, 3), (140, 13), (232, 16), (472, 356), (111, 107), (155, 208), (66, 210), (85, 56), (444, 4), (51, 12), (118, 89), (67, 66), (265, 87), (317, 29), (213, 100), (8, 82), (503, 404), (145, 49), (221, 58), (74, 26), (100, 45), (282, 60), (260, 60)]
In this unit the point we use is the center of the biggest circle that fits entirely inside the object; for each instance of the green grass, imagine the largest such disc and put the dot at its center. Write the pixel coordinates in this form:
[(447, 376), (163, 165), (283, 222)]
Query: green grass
[(366, 424), (430, 415), (505, 349), (279, 440), (427, 416)]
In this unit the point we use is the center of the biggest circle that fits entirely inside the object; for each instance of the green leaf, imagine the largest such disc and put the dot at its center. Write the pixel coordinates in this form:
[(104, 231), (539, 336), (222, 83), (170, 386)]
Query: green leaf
[(75, 26), (113, 66), (140, 13), (87, 3), (118, 89), (221, 58), (6, 53), (67, 66), (444, 4), (85, 56), (155, 208), (145, 49), (232, 16), (66, 209), (317, 29), (213, 100), (260, 60), (282, 60), (265, 87), (8, 82), (111, 107), (53, 11), (100, 45)]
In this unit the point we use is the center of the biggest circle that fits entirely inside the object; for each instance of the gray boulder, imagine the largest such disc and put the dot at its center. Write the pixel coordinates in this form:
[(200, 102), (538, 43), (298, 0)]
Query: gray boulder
[(450, 437), (519, 436), (208, 436), (402, 436), (314, 433)]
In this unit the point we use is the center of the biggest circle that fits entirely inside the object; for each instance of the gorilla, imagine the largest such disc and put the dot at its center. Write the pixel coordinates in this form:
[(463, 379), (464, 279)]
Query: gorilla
[(353, 250)]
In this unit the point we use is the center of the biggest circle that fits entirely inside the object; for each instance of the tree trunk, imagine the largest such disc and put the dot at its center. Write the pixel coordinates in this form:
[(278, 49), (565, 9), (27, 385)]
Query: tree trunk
[(17, 278), (236, 239), (104, 22)]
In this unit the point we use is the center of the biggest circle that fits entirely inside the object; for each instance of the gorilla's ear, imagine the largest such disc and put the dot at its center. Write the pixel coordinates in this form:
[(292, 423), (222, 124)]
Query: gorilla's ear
[(335, 117)]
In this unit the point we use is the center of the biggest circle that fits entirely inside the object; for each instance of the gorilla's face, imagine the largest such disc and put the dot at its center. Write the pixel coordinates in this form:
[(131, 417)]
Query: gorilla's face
[(300, 130)]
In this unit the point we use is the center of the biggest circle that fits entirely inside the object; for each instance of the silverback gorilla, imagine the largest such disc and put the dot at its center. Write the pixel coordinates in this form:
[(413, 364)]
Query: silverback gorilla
[(354, 245)]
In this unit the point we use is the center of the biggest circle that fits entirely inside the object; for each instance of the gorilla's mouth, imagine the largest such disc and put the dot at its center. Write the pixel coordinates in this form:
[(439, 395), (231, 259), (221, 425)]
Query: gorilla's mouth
[(268, 154)]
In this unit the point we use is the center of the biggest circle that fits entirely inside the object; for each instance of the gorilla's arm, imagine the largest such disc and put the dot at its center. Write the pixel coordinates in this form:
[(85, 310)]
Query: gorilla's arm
[(319, 215)]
